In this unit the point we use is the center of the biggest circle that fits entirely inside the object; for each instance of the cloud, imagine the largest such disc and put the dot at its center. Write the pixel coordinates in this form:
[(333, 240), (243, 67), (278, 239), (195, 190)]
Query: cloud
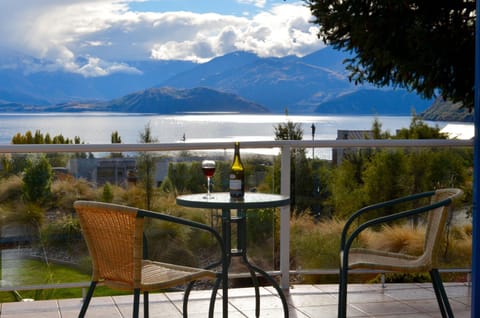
[(257, 3), (105, 34)]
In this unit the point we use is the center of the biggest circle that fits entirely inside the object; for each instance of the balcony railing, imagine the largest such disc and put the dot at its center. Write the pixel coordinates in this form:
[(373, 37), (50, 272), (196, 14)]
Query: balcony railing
[(285, 148)]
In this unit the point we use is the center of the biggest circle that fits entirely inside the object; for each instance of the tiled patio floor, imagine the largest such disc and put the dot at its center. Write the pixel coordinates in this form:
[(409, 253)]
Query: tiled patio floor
[(395, 300)]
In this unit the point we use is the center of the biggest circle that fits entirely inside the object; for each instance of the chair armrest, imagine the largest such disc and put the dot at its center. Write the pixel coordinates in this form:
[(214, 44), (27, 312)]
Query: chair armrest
[(192, 224)]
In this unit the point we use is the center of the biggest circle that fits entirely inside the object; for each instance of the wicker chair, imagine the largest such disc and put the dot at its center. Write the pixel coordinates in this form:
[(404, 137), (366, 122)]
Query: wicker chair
[(115, 240), (355, 258)]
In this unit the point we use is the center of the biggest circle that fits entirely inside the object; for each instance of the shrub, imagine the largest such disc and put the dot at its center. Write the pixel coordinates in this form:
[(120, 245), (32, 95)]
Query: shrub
[(107, 194), (315, 245), (64, 232)]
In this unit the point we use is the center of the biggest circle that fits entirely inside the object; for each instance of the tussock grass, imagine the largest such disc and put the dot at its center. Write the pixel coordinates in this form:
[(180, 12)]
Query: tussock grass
[(11, 188), (316, 245), (66, 191), (397, 238)]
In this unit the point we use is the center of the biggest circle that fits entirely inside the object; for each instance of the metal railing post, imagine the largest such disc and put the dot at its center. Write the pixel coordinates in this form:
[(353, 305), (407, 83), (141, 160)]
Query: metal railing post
[(285, 169)]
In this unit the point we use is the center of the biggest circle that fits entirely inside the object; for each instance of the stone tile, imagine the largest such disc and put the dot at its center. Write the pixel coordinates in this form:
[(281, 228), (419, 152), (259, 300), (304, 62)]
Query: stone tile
[(384, 308), (305, 301), (27, 309), (330, 311)]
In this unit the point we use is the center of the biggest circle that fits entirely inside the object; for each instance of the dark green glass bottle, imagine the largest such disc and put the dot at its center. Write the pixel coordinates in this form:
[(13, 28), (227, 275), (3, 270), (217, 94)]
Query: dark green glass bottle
[(237, 175)]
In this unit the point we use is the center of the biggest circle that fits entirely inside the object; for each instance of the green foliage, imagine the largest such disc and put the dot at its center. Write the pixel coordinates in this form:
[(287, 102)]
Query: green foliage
[(425, 46), (419, 130), (37, 180), (383, 176), (370, 175), (377, 130), (288, 131), (107, 194), (146, 166), (178, 175), (260, 225), (64, 232), (347, 189), (196, 181), (55, 159), (116, 139), (167, 185), (301, 186), (315, 245)]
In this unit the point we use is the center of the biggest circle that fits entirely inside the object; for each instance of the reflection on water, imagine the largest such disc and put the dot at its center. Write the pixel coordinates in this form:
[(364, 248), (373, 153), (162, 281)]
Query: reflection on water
[(96, 128)]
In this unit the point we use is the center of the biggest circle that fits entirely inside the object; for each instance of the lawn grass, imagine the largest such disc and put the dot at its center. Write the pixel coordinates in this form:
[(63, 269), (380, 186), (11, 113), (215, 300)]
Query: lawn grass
[(25, 271)]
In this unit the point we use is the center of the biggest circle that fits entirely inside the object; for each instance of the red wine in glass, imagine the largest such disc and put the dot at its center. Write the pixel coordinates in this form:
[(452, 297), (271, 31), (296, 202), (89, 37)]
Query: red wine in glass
[(208, 167), (208, 172)]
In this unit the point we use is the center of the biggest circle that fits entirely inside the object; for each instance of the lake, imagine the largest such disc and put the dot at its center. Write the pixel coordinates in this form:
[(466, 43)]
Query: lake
[(96, 128)]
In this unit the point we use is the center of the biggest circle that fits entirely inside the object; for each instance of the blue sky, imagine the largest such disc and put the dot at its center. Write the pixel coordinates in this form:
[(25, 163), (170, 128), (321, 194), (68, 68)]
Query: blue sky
[(99, 37), (228, 7)]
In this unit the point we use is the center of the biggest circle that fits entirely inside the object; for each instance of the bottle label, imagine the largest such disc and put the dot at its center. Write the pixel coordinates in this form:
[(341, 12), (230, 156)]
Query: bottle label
[(235, 184)]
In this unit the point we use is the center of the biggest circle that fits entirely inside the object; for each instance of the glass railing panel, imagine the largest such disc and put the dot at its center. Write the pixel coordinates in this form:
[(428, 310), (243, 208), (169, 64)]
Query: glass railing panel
[(326, 192), (39, 230)]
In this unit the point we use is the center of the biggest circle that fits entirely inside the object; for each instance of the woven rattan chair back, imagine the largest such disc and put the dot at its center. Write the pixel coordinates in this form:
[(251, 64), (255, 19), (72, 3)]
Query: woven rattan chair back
[(110, 233), (115, 238)]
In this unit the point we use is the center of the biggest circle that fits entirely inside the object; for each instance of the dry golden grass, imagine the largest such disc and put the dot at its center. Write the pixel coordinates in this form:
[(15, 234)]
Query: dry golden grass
[(317, 244), (396, 238), (66, 191), (11, 188)]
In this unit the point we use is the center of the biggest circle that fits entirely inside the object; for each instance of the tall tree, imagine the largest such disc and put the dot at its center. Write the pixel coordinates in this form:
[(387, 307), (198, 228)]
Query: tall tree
[(146, 166), (116, 139), (425, 46), (301, 174)]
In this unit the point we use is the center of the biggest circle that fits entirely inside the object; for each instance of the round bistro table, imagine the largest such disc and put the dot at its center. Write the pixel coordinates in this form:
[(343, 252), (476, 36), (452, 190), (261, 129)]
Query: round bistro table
[(251, 200)]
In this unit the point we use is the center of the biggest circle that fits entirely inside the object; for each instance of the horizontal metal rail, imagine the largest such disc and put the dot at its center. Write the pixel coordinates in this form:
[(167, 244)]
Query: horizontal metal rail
[(180, 146), (329, 271)]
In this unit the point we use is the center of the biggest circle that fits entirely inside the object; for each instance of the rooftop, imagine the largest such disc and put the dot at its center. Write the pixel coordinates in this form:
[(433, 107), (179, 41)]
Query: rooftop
[(393, 300)]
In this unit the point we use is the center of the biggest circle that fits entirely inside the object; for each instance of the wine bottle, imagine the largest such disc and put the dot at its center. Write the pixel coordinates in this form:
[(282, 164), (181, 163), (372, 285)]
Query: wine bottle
[(237, 175)]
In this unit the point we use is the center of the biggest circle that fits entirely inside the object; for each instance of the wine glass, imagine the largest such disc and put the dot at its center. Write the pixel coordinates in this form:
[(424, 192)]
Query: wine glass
[(208, 168)]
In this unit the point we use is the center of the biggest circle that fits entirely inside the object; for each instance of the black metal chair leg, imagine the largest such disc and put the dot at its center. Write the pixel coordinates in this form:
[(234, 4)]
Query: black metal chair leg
[(185, 298), (214, 296), (146, 307), (342, 294), (87, 299), (257, 290), (276, 286), (441, 295), (136, 302)]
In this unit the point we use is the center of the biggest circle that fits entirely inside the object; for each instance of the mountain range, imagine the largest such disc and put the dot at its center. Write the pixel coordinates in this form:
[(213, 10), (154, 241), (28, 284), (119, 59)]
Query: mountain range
[(236, 82)]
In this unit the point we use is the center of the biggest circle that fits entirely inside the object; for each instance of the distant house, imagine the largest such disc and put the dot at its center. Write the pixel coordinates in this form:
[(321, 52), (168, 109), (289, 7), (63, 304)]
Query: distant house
[(339, 153), (116, 171)]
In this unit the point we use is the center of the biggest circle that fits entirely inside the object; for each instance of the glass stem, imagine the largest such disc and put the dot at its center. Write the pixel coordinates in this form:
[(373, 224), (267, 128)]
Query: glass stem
[(208, 186)]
